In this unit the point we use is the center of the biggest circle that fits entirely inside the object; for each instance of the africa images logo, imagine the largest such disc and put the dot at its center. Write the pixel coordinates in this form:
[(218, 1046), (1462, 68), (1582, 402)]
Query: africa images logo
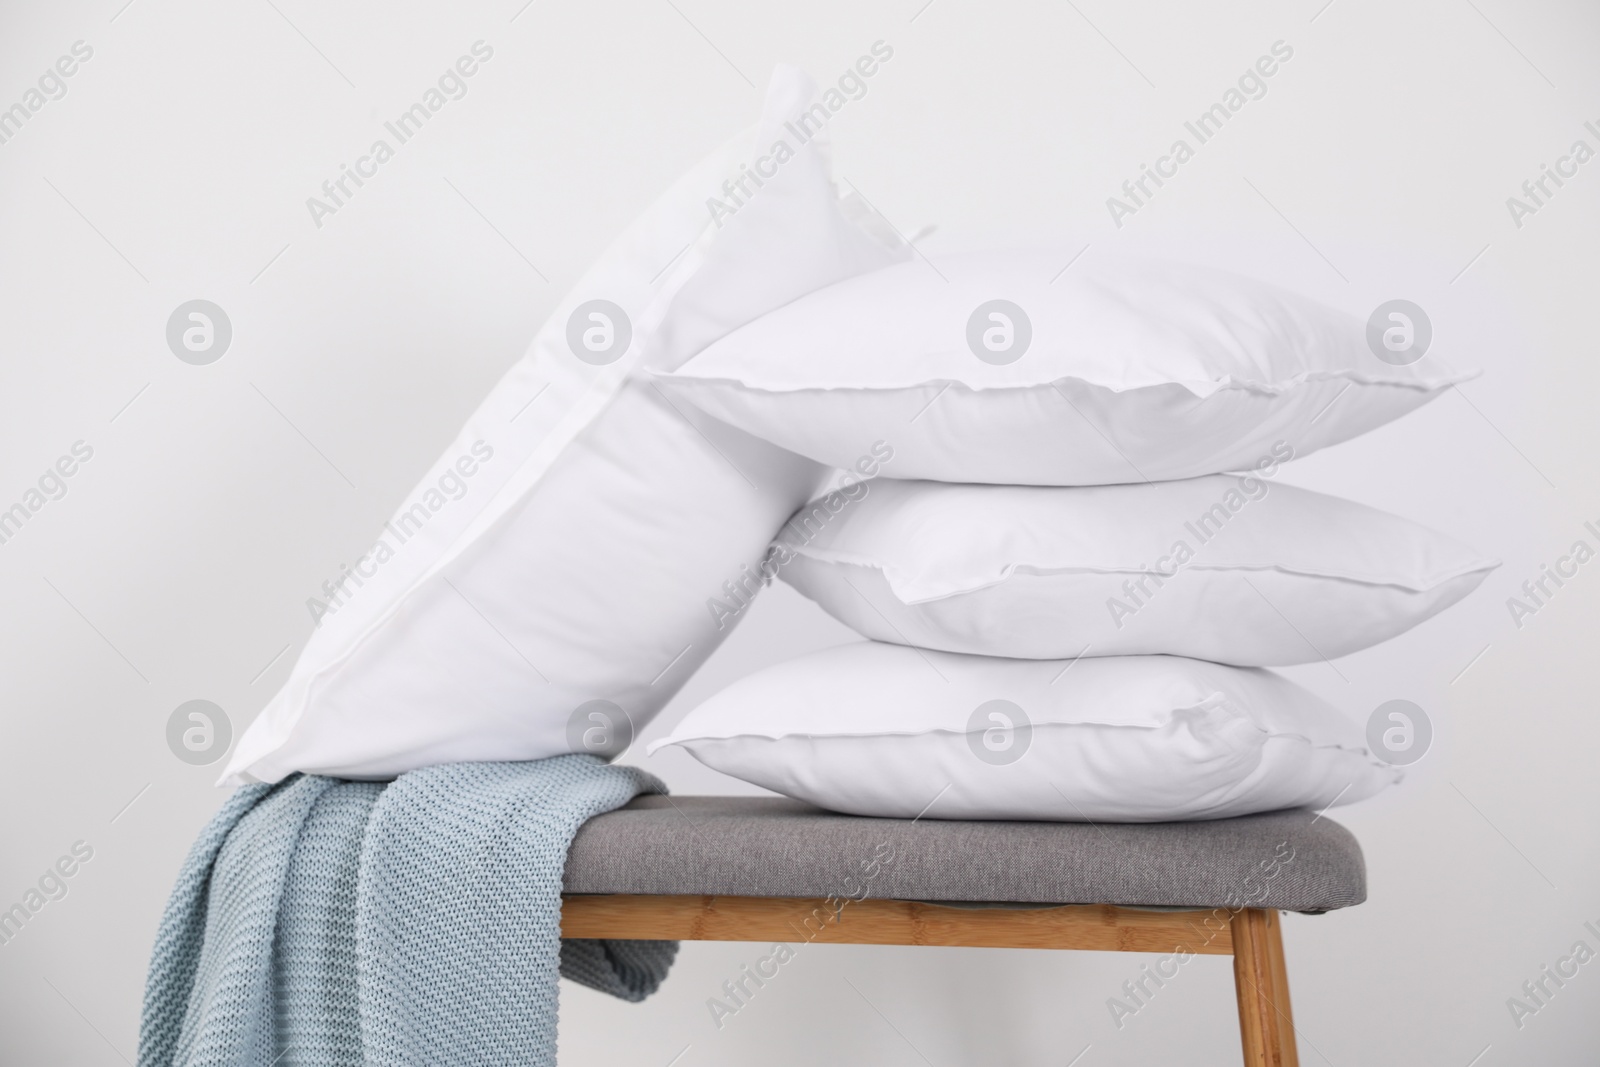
[(451, 85), (1251, 85), (851, 85)]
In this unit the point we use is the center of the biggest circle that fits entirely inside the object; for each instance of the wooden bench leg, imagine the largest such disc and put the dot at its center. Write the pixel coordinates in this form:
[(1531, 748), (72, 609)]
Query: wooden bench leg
[(1266, 1024)]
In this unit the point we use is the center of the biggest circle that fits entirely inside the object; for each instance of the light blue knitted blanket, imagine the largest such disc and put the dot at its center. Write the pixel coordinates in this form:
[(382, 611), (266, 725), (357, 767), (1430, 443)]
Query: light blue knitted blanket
[(324, 923)]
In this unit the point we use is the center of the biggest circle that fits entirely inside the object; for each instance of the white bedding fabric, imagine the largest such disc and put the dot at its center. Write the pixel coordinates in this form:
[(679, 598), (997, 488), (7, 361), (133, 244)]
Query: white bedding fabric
[(577, 565), (1234, 569), (1133, 371), (885, 730)]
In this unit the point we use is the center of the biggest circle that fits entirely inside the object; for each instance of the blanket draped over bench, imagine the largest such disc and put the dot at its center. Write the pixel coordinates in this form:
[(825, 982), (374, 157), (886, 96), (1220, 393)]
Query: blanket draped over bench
[(325, 923)]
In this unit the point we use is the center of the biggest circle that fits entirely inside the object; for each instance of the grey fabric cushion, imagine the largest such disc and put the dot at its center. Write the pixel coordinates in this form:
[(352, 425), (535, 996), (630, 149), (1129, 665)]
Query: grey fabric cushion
[(774, 847)]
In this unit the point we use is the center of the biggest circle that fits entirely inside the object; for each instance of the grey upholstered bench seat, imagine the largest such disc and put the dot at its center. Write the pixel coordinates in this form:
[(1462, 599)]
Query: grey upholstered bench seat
[(773, 847)]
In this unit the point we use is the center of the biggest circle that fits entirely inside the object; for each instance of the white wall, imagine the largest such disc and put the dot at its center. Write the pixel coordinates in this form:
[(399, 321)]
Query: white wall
[(177, 565)]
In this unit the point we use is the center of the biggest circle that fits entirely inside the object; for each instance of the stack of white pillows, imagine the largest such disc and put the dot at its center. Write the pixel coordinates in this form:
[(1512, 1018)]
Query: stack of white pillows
[(1069, 605)]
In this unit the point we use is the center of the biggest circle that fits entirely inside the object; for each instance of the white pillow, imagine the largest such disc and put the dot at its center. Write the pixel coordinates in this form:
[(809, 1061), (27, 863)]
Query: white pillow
[(559, 601), (1231, 569), (1123, 373), (885, 730)]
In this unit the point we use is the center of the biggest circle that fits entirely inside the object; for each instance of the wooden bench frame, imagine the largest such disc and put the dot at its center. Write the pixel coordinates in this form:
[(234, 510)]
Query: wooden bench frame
[(1252, 936)]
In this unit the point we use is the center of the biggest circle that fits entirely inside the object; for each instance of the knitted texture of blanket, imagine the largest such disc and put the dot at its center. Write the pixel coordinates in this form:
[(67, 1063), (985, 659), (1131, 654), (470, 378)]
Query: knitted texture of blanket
[(324, 923)]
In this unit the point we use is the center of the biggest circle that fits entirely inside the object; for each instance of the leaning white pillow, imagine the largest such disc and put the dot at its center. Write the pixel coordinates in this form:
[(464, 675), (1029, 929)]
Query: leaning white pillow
[(885, 730), (557, 600), (1232, 569), (991, 369)]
